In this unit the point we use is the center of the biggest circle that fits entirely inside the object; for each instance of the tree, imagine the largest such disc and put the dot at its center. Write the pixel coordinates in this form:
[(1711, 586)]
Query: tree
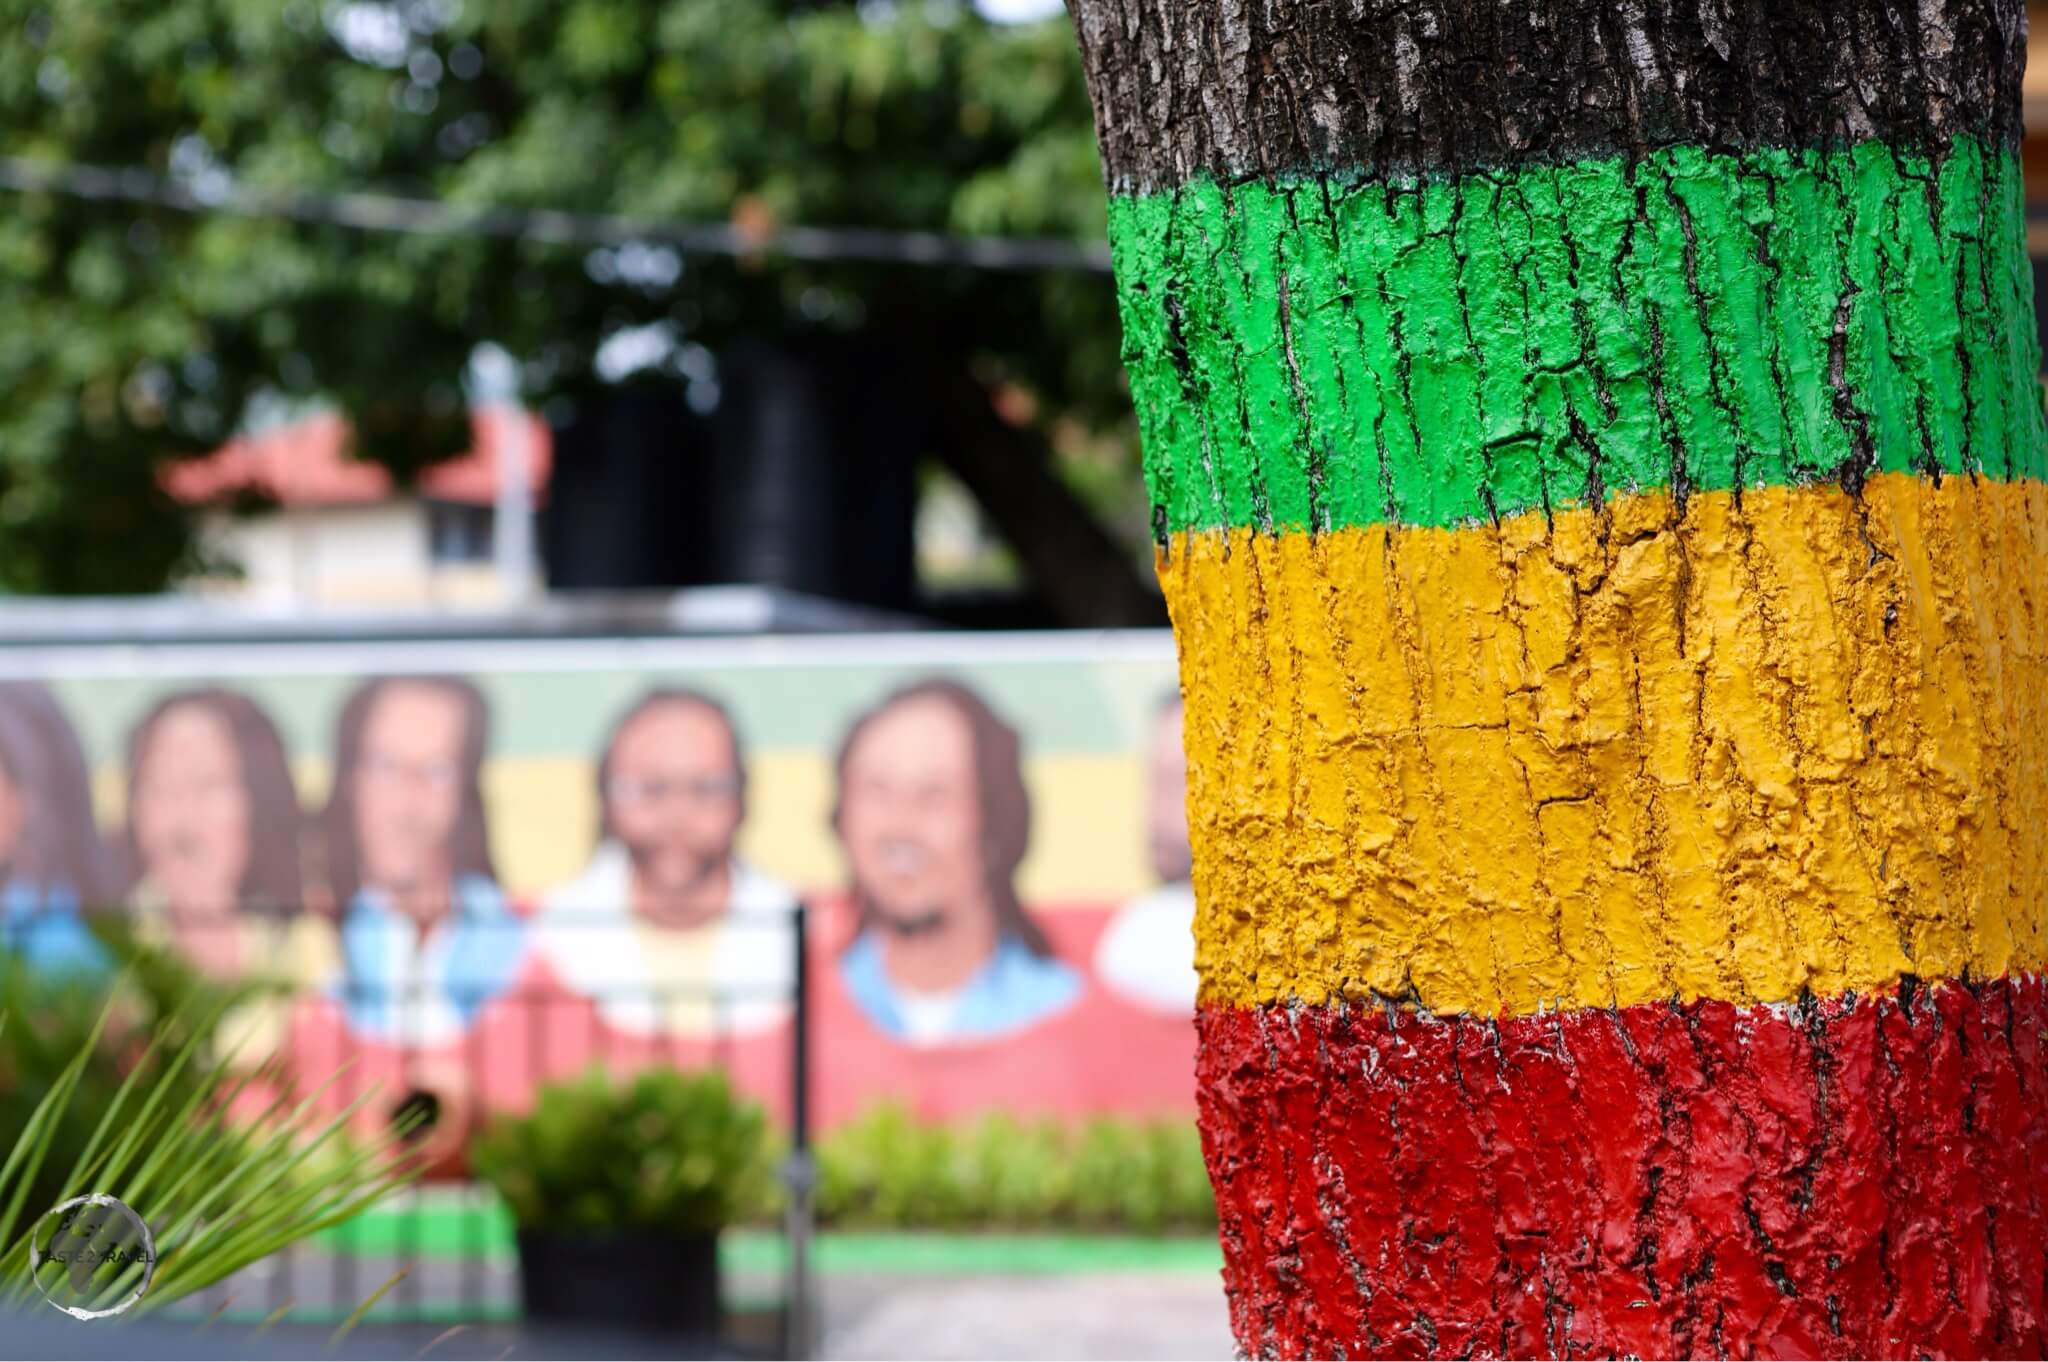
[(1598, 470), (137, 335)]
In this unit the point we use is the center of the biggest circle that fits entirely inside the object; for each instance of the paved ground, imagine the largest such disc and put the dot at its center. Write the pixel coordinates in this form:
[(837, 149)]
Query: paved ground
[(1110, 1315), (864, 1314)]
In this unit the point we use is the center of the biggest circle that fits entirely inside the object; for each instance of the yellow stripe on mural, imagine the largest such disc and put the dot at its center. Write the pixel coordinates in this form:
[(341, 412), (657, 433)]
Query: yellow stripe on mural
[(1087, 820), (1799, 742), (1087, 823)]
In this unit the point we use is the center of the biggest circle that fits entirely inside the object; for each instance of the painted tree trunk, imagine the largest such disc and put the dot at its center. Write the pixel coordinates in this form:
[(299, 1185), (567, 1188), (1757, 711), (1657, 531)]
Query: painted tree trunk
[(1597, 461)]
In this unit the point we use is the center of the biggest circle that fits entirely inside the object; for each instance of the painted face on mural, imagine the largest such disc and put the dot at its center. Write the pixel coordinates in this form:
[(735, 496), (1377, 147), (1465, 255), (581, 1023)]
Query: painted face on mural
[(409, 788), (13, 818), (910, 815), (13, 814), (673, 798), (190, 811), (1166, 821)]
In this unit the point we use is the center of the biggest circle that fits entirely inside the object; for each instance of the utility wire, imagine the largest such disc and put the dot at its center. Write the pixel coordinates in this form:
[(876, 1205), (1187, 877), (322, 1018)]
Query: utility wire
[(393, 213)]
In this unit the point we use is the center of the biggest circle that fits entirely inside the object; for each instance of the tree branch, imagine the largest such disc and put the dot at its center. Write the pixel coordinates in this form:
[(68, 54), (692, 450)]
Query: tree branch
[(1084, 576)]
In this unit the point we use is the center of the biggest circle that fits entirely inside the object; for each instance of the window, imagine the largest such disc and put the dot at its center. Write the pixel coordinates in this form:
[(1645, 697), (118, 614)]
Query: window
[(458, 533)]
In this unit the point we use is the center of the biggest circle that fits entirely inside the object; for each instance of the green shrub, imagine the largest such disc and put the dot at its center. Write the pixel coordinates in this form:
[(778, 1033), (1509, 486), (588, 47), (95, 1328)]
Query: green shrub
[(887, 1170), (1148, 1177), (1017, 1173), (665, 1149)]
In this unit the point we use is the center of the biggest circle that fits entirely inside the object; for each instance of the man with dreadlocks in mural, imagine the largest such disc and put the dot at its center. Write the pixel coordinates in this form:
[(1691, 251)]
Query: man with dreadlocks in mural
[(427, 936), (934, 818), (54, 871)]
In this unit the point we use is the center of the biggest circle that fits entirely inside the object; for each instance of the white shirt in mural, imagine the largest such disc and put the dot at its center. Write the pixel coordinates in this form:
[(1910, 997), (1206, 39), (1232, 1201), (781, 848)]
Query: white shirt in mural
[(732, 975), (1147, 953), (928, 1017), (404, 986)]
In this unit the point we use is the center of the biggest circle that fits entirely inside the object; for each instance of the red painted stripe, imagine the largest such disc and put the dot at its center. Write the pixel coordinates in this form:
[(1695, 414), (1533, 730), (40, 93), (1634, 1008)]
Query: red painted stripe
[(1856, 1177)]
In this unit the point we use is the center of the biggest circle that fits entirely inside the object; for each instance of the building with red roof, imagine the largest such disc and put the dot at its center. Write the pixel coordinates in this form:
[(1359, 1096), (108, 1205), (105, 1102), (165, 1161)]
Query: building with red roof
[(337, 530)]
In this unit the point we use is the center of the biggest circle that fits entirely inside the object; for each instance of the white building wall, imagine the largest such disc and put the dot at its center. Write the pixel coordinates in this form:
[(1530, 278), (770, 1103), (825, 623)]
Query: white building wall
[(334, 555)]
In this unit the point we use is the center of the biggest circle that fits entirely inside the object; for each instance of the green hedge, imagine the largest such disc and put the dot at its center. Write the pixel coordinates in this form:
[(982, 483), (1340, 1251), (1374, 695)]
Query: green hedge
[(887, 1170)]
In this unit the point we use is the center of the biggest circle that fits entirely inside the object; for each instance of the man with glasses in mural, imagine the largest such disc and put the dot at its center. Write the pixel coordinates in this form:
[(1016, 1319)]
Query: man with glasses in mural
[(667, 931)]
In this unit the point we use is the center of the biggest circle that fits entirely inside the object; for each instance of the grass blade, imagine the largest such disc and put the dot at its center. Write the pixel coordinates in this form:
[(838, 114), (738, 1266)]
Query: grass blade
[(356, 1316), (273, 1319), (26, 1159), (160, 1084), (170, 1136)]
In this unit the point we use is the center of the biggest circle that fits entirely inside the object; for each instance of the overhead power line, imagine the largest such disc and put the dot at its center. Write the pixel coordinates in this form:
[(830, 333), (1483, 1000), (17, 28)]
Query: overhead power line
[(395, 213)]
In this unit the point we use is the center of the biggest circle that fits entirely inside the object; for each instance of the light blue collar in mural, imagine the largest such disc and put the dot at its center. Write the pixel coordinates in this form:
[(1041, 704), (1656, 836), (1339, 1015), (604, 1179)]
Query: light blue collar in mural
[(408, 988), (42, 927), (1014, 989)]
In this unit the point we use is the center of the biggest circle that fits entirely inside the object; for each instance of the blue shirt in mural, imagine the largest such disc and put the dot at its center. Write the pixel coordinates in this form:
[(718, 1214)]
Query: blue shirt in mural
[(406, 987), (41, 926), (1015, 988)]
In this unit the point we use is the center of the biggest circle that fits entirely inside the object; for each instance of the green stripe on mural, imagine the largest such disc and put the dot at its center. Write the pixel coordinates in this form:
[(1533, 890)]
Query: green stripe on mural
[(1064, 706), (1317, 353)]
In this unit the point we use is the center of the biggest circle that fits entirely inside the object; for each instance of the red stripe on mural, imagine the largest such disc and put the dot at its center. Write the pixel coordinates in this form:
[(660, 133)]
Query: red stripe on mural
[(1856, 1177)]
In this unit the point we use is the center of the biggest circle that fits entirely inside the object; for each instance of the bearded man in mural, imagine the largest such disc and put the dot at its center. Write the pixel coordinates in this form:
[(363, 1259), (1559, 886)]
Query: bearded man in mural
[(428, 939), (667, 930), (934, 818)]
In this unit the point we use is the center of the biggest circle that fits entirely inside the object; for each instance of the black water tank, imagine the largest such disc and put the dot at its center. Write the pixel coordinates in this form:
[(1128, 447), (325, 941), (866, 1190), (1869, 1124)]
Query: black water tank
[(627, 501), (813, 470), (2041, 306)]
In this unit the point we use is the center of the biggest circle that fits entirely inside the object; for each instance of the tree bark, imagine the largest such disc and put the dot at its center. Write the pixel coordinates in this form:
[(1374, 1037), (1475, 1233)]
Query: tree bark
[(1075, 566), (1599, 468)]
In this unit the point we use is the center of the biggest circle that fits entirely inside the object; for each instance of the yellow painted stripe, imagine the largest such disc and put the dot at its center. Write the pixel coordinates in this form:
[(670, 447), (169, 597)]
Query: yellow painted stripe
[(1087, 820), (1795, 743)]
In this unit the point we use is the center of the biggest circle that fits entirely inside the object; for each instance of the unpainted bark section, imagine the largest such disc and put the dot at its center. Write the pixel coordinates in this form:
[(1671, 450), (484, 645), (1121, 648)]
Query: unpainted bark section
[(1241, 89)]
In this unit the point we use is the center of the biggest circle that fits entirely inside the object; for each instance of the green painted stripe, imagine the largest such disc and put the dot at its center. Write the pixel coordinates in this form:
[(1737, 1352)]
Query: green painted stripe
[(454, 1228), (442, 1222), (1319, 353)]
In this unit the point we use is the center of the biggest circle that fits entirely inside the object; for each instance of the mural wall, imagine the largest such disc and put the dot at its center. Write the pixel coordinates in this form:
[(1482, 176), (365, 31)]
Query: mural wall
[(479, 866)]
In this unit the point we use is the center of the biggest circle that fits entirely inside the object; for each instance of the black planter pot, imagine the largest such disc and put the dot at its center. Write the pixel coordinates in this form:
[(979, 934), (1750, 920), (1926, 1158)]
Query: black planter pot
[(641, 1280)]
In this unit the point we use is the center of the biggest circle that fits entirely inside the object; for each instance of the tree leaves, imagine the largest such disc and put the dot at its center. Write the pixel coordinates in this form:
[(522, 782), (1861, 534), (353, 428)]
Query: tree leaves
[(141, 334)]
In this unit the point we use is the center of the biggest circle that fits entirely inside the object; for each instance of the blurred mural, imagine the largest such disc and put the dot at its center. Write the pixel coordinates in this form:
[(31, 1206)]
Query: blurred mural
[(498, 862)]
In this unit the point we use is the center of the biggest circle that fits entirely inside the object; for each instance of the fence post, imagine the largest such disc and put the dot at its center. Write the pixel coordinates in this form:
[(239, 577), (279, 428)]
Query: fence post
[(799, 1173)]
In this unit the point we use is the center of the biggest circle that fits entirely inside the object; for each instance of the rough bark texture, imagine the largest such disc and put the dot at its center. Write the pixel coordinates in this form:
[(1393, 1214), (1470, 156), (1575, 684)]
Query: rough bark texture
[(1854, 1178), (1318, 356), (1598, 469), (1382, 88), (1794, 744)]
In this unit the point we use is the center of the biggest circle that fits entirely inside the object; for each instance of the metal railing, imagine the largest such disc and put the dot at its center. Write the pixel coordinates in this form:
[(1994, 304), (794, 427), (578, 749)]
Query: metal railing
[(440, 1233)]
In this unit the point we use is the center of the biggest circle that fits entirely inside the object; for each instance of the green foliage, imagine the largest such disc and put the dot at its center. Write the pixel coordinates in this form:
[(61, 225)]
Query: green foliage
[(886, 1170), (57, 1019), (667, 1148), (583, 1158), (137, 335), (146, 1113)]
